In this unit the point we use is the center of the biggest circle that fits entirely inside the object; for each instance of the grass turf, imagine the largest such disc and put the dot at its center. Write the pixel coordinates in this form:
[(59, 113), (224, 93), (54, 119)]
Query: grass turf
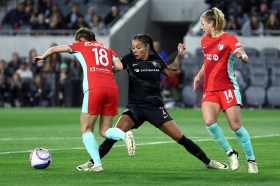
[(158, 161)]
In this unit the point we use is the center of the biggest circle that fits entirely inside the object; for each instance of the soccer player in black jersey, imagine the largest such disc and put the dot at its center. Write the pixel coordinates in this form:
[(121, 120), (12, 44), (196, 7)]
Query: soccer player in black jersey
[(145, 103)]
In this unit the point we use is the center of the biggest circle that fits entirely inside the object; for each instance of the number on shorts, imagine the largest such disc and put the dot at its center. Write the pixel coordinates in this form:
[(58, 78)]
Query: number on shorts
[(228, 95)]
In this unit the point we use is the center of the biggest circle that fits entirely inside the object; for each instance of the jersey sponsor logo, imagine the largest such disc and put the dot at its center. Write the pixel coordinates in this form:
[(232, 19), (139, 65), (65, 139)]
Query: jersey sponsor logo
[(136, 70), (208, 56), (149, 70), (220, 46), (215, 57), (103, 70), (165, 116), (134, 64)]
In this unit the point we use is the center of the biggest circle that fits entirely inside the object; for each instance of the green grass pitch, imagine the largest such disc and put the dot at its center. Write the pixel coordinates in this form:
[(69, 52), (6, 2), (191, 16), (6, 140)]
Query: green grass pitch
[(158, 159)]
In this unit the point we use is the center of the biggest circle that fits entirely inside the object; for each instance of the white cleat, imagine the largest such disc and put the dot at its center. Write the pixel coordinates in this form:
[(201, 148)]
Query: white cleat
[(217, 165), (130, 143), (85, 166), (95, 168), (252, 167), (233, 159)]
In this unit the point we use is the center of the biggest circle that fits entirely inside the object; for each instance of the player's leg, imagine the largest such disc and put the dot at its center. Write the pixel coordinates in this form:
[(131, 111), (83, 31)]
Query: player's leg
[(234, 119), (108, 110), (116, 134), (171, 129), (91, 108), (210, 112), (87, 125), (125, 123), (106, 130)]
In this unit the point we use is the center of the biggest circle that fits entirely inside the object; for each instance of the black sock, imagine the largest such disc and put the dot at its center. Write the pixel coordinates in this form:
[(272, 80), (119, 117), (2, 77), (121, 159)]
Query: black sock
[(105, 147), (194, 149)]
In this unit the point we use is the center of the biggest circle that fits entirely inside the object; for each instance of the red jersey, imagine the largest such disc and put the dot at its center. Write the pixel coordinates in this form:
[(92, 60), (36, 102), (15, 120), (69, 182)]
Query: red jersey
[(219, 61), (96, 60)]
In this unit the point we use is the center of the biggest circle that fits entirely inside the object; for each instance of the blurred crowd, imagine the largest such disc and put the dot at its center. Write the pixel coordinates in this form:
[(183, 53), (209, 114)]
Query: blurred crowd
[(57, 82), (250, 17), (52, 17)]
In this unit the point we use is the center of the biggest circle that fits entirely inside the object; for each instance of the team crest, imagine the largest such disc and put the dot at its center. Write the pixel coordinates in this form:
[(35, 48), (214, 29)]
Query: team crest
[(220, 46), (155, 64)]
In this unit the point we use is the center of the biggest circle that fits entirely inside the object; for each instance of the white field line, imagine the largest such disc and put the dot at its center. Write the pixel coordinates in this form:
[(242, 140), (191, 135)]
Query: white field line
[(139, 144)]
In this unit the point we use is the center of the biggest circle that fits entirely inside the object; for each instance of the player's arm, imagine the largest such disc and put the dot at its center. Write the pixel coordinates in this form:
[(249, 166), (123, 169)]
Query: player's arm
[(197, 78), (117, 65), (175, 66), (241, 54), (50, 51)]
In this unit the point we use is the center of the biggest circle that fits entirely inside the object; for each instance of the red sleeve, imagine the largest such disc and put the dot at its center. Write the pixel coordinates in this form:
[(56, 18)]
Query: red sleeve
[(234, 43)]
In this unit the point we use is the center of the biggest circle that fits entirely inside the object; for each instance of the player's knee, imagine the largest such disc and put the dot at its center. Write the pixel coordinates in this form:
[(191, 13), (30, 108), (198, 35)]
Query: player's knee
[(209, 122), (235, 126)]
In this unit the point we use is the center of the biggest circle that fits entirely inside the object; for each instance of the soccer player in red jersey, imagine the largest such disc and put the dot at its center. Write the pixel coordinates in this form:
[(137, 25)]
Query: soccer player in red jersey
[(221, 91), (100, 91)]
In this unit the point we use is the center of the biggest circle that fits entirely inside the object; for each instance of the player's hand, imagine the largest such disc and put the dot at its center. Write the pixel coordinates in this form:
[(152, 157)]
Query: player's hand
[(181, 49), (38, 59), (238, 54), (195, 83)]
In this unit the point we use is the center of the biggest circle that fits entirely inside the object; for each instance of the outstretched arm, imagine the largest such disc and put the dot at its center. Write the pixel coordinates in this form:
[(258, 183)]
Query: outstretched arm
[(175, 66), (50, 51)]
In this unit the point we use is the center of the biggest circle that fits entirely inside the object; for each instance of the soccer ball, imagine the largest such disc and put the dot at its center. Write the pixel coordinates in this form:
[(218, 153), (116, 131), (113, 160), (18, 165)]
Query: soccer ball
[(40, 158)]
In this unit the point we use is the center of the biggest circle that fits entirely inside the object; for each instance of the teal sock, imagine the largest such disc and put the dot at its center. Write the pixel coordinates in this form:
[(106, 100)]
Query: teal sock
[(244, 140), (92, 147), (115, 134), (217, 134)]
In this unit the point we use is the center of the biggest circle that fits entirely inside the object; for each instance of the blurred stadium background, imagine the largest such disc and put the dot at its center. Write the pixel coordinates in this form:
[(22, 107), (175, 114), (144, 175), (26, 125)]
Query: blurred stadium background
[(29, 27)]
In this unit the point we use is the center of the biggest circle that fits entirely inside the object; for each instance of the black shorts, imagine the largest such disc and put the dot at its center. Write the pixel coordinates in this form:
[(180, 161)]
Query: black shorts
[(141, 113)]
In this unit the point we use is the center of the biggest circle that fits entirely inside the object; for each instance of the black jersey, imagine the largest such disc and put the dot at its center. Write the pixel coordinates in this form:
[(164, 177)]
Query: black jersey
[(144, 79)]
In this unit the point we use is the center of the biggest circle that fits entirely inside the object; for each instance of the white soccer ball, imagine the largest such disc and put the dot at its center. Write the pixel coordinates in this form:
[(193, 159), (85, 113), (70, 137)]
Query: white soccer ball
[(40, 158)]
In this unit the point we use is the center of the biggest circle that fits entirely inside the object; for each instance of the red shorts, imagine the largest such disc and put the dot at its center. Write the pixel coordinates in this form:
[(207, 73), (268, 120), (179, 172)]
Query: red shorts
[(101, 101), (225, 98)]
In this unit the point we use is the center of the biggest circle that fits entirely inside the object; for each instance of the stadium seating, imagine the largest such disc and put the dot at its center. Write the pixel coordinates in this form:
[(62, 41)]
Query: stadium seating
[(270, 55), (273, 97), (255, 96), (188, 96)]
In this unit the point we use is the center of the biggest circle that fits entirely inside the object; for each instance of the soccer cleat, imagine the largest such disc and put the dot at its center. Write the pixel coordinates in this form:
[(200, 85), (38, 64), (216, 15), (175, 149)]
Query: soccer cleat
[(233, 160), (95, 168), (217, 165), (252, 166), (130, 143), (85, 166)]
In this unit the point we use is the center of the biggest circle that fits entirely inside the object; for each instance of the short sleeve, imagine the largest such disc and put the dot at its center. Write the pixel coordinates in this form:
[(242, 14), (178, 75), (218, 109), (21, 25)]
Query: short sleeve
[(234, 43)]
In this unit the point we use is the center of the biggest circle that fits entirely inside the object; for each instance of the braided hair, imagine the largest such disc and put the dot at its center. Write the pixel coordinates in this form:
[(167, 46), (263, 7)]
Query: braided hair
[(147, 40)]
